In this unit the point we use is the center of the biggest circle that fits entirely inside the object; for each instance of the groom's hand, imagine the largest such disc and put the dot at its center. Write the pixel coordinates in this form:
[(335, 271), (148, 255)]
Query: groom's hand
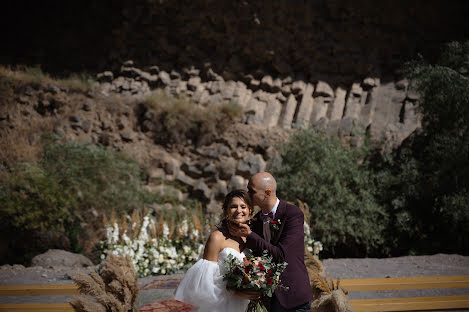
[(239, 230)]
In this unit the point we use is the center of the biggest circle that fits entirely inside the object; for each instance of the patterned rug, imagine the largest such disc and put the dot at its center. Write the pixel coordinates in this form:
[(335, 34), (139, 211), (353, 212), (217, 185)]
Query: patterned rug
[(170, 305), (162, 284)]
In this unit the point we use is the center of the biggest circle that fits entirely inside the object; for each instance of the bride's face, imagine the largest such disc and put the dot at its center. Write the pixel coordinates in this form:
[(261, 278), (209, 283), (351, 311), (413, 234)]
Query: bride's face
[(238, 211)]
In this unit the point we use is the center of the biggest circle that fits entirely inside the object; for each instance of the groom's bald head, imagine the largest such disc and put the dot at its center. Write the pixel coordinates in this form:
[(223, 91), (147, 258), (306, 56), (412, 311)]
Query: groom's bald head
[(262, 190), (264, 181)]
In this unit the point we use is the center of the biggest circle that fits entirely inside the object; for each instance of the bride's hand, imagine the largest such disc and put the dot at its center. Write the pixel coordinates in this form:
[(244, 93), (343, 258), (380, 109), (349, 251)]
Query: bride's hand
[(250, 295)]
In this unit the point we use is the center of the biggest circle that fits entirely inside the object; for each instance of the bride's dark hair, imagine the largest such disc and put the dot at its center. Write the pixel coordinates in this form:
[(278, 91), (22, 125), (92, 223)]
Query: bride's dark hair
[(242, 194)]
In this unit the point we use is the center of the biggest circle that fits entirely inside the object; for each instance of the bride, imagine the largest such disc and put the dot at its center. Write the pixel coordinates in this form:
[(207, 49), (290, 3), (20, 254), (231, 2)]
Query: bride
[(203, 286)]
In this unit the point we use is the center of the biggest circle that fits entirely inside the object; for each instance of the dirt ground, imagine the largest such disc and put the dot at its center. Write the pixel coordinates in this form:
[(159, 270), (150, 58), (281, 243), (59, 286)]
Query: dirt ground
[(409, 266)]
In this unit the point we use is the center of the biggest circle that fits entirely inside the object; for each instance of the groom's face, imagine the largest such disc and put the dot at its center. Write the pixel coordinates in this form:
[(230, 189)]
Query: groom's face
[(256, 195)]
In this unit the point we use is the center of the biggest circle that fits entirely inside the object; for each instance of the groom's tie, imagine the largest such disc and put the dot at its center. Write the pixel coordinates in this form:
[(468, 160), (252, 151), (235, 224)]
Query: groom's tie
[(266, 218)]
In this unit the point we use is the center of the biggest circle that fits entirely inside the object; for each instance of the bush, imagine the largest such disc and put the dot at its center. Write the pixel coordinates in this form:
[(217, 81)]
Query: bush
[(178, 119), (344, 214), (35, 211), (98, 177), (33, 200), (71, 183)]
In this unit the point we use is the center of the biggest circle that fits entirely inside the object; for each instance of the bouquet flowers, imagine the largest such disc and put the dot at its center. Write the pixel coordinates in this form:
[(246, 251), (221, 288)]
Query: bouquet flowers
[(254, 274)]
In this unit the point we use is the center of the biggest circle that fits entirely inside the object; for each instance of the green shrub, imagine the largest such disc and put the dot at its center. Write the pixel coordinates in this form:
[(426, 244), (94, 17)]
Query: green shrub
[(36, 213), (98, 177), (344, 214), (33, 200), (42, 204)]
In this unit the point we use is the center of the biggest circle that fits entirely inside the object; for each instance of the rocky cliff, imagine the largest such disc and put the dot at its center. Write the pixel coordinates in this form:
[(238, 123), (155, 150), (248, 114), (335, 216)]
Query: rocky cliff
[(327, 64), (287, 64), (386, 112)]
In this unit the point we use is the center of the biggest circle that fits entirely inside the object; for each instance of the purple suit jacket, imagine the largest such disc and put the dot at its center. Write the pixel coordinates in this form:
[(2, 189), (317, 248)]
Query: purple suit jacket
[(287, 244)]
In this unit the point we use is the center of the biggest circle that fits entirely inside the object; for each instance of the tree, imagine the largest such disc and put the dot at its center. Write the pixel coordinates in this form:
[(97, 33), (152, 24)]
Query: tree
[(429, 199), (337, 186)]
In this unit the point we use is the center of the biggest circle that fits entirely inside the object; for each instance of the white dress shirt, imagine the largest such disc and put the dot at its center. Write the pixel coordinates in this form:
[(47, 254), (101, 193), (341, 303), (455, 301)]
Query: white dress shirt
[(274, 210)]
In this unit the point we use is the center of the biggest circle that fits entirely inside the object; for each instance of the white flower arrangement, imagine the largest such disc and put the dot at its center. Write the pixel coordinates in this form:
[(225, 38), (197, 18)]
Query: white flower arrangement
[(315, 247), (156, 250), (154, 254)]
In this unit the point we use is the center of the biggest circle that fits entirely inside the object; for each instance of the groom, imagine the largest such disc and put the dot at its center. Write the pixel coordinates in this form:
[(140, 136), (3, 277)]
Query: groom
[(284, 242)]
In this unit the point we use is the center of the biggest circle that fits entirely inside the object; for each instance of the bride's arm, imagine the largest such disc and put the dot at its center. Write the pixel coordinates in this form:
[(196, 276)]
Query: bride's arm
[(213, 246)]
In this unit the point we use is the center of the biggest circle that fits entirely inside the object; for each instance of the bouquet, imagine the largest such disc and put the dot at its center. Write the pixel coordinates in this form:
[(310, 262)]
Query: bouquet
[(254, 274)]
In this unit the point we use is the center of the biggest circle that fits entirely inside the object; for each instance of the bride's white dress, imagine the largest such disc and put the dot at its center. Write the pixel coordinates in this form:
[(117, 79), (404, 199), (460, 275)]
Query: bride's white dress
[(203, 286)]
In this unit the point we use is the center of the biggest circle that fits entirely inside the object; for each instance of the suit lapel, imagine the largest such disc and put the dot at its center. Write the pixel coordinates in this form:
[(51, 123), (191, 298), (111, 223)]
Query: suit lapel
[(279, 215)]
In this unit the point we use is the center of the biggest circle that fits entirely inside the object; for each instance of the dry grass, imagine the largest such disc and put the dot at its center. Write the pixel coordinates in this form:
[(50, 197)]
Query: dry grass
[(320, 283), (313, 263), (115, 289), (23, 143), (304, 208), (34, 76), (178, 119), (170, 219), (159, 101)]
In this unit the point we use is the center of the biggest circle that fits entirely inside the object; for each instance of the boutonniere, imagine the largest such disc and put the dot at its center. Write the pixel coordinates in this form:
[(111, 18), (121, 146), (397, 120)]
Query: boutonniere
[(275, 224)]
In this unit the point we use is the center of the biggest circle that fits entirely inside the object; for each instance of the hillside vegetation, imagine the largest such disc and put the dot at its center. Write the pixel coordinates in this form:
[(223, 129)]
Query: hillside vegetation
[(75, 163), (412, 201)]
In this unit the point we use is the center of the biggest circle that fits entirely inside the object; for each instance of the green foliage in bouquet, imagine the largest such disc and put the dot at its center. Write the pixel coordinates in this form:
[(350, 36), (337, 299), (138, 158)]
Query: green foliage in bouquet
[(336, 183), (253, 273)]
